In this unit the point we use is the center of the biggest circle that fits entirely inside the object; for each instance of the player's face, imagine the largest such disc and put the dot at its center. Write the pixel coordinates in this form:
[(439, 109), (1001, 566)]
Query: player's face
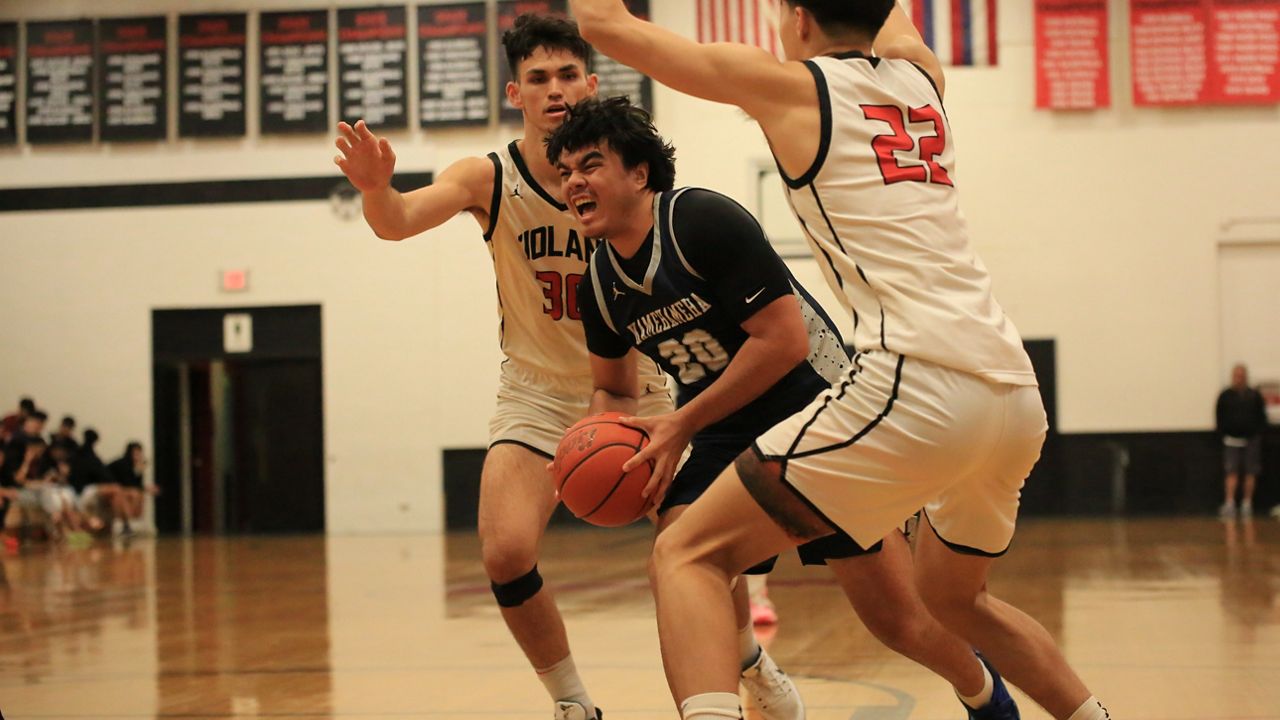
[(549, 82), (602, 193)]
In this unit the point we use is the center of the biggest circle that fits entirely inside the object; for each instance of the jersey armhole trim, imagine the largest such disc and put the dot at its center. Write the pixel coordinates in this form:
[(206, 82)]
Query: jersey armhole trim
[(824, 138), (932, 83), (495, 201), (671, 233)]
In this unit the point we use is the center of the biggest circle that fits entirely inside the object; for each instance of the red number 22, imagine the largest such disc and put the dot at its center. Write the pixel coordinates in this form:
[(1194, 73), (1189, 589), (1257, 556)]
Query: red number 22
[(931, 146)]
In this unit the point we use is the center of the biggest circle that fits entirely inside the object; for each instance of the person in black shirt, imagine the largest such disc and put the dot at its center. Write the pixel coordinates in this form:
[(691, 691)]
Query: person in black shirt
[(65, 436), (688, 278), (98, 496), (1241, 419), (127, 471)]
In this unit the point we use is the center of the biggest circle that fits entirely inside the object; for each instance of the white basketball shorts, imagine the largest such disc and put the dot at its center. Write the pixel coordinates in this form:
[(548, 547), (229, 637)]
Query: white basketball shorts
[(535, 409), (899, 434)]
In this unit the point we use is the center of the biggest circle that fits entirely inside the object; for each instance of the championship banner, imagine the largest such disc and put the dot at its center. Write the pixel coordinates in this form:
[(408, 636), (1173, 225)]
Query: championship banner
[(1072, 55), (60, 81), (8, 83), (294, 71), (1169, 46), (453, 62), (133, 85), (372, 52), (1244, 51), (211, 75)]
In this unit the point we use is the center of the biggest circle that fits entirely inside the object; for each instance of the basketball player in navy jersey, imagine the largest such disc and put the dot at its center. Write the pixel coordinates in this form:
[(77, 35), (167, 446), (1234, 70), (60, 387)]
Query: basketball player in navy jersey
[(688, 277), (539, 254), (941, 408)]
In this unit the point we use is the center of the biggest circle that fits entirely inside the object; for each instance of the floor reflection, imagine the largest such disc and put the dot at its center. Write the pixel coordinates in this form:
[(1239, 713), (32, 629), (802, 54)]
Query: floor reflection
[(1168, 619)]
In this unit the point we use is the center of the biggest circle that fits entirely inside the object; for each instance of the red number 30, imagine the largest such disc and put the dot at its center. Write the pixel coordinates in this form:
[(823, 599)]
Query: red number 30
[(931, 146), (561, 293)]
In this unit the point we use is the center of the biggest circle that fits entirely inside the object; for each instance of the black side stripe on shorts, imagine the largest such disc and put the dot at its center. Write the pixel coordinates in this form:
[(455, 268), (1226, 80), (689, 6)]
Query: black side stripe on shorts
[(854, 368), (888, 407)]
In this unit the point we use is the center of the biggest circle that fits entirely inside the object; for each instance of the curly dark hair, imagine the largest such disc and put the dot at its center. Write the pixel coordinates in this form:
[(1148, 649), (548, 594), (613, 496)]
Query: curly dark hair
[(840, 17), (627, 129), (551, 32)]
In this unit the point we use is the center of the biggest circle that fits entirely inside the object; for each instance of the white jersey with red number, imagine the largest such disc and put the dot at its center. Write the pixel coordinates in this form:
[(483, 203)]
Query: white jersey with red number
[(880, 210), (539, 256)]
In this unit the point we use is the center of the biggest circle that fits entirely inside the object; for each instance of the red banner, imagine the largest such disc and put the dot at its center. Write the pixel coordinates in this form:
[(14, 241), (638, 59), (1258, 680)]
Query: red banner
[(1245, 51), (1169, 46), (1198, 52), (1072, 65)]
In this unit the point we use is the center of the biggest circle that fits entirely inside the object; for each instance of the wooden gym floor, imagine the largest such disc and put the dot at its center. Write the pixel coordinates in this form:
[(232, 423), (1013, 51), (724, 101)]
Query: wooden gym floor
[(1166, 619)]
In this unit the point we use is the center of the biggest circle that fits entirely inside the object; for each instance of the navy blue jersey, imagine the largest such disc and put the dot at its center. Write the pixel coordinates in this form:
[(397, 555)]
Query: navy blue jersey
[(682, 298)]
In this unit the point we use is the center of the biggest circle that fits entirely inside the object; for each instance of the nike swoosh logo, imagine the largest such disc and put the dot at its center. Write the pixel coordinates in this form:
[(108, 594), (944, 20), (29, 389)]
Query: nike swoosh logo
[(757, 294)]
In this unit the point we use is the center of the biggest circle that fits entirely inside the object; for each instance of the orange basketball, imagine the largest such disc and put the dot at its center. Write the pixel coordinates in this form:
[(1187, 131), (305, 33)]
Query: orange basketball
[(588, 471)]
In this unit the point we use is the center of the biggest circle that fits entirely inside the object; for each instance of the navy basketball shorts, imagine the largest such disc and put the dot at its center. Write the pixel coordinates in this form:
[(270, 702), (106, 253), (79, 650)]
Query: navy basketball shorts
[(710, 456)]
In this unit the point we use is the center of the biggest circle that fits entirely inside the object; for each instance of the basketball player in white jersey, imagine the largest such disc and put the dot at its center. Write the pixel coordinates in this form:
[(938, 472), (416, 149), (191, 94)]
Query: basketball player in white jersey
[(940, 410), (539, 255)]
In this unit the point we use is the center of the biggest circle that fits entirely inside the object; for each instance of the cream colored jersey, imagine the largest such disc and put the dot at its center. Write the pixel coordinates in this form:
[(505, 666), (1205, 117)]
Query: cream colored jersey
[(880, 210), (539, 255)]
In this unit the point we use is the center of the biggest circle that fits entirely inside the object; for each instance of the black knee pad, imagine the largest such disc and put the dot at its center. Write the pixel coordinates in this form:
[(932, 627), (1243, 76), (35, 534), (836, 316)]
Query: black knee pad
[(518, 591)]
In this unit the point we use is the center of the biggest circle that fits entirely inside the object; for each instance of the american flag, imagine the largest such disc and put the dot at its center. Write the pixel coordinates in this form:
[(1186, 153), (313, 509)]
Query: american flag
[(961, 32), (751, 22)]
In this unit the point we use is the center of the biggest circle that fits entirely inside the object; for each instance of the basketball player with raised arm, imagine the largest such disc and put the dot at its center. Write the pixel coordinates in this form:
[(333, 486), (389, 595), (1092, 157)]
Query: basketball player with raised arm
[(940, 409), (688, 277), (539, 255)]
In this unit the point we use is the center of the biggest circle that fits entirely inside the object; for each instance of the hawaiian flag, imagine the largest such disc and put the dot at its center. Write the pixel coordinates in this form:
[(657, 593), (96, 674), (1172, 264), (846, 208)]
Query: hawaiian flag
[(961, 32), (750, 22)]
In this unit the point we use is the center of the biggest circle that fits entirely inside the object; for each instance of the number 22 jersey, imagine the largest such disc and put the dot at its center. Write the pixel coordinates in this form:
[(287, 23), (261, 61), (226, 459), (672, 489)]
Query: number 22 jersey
[(880, 210)]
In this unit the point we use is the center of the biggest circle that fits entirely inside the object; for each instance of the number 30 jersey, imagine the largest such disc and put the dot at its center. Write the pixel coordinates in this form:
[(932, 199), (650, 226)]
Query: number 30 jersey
[(682, 298), (880, 210), (539, 256)]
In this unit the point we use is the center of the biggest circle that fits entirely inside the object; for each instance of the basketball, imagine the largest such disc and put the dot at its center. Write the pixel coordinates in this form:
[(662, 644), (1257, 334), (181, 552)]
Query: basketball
[(588, 471)]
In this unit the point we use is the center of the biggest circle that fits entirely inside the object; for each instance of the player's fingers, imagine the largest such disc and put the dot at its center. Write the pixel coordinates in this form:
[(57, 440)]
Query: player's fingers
[(638, 459), (342, 144), (349, 133), (363, 130), (387, 153)]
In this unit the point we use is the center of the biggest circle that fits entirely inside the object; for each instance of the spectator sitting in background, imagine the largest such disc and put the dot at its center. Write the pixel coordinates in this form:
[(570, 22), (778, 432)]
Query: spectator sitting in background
[(99, 496), (32, 428), (12, 422), (58, 498), (1241, 418), (127, 472), (8, 500), (65, 436)]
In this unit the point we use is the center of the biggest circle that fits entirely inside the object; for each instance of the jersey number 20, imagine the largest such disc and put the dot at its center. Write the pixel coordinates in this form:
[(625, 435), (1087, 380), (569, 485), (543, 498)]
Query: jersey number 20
[(901, 139), (694, 354)]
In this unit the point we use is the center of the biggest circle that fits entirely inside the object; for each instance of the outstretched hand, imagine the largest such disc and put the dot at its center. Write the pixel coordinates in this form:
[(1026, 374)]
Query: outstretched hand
[(366, 160), (668, 438)]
